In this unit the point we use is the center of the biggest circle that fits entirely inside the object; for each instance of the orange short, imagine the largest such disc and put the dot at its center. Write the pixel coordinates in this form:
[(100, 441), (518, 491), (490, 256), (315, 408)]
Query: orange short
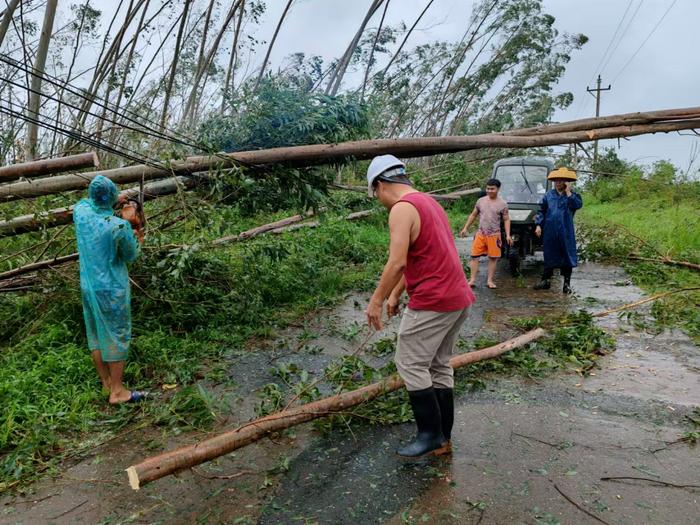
[(486, 245)]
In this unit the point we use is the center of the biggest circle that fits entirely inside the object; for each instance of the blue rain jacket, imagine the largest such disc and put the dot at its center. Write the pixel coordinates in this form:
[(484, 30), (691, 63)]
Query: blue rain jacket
[(106, 244), (556, 217)]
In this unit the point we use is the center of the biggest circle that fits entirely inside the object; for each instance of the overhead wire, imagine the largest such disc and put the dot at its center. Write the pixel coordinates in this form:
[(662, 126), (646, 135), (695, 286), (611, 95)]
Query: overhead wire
[(172, 138), (97, 101), (622, 35), (81, 138), (599, 68), (73, 106), (651, 33)]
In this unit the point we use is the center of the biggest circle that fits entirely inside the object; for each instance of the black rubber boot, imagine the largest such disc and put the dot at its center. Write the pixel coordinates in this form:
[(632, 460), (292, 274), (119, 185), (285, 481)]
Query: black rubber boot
[(544, 284), (446, 401), (427, 413), (567, 286)]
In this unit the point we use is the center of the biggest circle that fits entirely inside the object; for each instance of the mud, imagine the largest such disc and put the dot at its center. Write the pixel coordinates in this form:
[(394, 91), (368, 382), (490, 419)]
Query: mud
[(521, 447)]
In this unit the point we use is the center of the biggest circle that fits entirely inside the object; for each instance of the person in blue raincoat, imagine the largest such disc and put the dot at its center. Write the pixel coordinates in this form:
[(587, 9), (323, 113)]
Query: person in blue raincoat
[(106, 244), (555, 223)]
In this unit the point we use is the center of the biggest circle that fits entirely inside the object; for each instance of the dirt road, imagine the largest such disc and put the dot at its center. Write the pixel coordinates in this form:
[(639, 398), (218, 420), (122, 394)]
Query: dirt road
[(525, 451)]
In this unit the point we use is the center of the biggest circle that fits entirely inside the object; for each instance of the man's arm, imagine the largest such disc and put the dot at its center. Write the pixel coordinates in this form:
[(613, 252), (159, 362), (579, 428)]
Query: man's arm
[(506, 225), (472, 217), (575, 200), (392, 305), (402, 218), (539, 218)]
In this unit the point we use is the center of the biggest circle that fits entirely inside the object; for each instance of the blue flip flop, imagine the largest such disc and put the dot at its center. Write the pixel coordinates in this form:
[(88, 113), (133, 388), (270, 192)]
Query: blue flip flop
[(137, 396)]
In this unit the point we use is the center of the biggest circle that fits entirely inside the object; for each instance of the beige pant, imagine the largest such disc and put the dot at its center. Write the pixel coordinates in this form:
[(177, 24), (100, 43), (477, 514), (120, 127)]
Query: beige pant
[(425, 344)]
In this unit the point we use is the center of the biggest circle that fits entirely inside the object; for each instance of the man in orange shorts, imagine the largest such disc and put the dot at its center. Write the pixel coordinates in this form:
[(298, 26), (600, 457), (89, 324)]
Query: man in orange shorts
[(490, 209)]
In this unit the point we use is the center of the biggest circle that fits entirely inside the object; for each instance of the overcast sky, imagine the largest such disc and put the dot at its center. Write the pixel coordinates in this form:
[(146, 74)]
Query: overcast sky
[(664, 73)]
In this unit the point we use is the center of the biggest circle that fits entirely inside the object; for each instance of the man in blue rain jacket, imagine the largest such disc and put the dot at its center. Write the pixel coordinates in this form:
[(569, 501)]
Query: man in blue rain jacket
[(106, 244), (555, 222)]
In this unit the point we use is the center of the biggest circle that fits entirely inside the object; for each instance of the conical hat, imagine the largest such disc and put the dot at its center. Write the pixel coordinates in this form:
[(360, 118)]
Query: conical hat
[(562, 173)]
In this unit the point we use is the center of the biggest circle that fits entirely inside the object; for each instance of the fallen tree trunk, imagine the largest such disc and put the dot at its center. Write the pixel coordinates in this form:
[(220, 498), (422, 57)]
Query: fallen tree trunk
[(49, 219), (624, 119), (39, 265), (39, 168), (363, 149), (52, 218), (276, 227), (186, 457)]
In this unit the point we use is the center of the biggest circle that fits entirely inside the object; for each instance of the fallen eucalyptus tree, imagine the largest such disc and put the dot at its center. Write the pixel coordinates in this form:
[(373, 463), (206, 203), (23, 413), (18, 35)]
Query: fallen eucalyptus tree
[(585, 130)]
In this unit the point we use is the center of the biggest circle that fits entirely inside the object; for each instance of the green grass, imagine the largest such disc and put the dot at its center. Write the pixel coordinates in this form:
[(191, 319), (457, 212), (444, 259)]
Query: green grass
[(189, 310), (673, 228), (649, 219)]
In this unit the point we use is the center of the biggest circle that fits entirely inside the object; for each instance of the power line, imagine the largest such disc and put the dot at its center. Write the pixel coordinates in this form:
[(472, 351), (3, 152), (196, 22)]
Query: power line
[(73, 106), (622, 35), (598, 68), (651, 33), (95, 100), (104, 104), (81, 138), (617, 29)]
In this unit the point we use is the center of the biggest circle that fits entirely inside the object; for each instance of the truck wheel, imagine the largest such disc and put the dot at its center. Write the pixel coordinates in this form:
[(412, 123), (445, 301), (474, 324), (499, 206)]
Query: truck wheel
[(514, 264)]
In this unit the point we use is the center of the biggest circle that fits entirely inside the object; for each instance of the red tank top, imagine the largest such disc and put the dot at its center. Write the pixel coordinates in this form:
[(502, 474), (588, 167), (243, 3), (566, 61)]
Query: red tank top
[(434, 276)]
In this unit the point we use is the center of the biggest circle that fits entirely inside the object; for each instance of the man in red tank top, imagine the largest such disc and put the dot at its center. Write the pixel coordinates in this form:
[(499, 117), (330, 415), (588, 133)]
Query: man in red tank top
[(423, 260)]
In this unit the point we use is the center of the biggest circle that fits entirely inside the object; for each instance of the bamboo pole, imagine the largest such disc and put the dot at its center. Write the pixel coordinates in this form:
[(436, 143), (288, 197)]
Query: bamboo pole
[(189, 456), (39, 168), (363, 149)]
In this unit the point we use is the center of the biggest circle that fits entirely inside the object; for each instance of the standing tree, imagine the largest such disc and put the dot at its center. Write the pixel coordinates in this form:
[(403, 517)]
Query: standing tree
[(37, 75)]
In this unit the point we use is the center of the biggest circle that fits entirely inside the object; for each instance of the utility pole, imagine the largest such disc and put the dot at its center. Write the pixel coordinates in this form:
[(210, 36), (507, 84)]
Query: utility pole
[(597, 91)]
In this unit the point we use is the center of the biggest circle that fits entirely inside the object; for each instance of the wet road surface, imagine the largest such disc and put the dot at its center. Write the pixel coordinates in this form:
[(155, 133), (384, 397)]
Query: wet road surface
[(525, 451)]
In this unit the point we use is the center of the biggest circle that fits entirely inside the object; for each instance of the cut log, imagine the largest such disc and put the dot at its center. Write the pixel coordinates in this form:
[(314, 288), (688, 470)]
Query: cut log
[(453, 196), (186, 457), (49, 219), (40, 168), (363, 149)]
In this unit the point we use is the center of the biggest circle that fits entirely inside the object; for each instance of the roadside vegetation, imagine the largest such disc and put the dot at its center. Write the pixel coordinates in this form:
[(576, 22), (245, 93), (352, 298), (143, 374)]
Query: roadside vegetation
[(641, 218)]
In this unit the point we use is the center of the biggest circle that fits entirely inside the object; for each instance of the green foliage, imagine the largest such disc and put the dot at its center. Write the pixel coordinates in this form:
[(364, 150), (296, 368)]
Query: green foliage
[(190, 408), (574, 342), (466, 87), (189, 308), (278, 114), (579, 341), (281, 112), (652, 218)]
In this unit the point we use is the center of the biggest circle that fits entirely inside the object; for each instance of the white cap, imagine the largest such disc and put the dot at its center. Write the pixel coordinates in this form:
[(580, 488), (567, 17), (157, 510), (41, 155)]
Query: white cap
[(380, 165)]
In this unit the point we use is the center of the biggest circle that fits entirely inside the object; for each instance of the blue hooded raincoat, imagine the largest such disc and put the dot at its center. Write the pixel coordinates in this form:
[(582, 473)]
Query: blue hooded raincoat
[(556, 217), (106, 244)]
